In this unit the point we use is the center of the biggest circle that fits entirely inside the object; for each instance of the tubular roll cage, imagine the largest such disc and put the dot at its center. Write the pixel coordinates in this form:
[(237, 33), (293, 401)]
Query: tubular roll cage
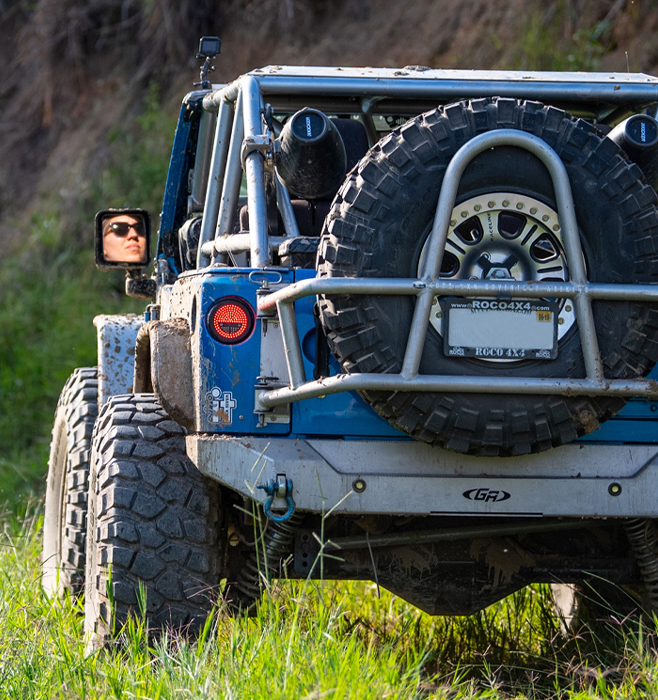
[(240, 143)]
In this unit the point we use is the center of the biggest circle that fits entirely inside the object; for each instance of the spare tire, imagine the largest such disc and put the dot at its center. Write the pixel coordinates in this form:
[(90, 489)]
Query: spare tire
[(379, 223)]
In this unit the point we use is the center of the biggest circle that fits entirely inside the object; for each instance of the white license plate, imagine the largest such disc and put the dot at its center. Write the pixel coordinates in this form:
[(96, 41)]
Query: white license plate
[(503, 330)]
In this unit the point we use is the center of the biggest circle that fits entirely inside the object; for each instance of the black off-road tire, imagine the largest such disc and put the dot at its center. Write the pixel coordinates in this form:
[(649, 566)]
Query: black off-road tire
[(65, 518), (381, 218), (154, 520)]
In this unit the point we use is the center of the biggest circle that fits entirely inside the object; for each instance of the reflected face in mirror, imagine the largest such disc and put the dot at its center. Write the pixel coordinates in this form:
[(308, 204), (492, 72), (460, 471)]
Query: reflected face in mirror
[(124, 239)]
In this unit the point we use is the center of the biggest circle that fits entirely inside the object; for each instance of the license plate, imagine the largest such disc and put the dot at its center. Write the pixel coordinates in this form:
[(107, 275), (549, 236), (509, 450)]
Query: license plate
[(501, 330)]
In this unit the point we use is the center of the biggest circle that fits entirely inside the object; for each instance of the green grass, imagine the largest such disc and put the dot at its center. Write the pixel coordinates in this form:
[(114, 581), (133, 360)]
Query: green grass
[(310, 640), (46, 313), (48, 299)]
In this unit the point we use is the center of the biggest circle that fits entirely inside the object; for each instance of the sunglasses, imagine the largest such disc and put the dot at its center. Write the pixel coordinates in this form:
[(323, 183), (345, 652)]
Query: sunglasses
[(121, 228)]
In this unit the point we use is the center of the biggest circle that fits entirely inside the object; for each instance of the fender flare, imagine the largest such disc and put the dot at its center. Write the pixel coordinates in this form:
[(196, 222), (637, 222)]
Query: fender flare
[(163, 366)]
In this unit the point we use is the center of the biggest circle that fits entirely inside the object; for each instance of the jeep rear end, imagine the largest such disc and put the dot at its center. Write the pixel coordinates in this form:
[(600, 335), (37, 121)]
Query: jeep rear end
[(434, 370)]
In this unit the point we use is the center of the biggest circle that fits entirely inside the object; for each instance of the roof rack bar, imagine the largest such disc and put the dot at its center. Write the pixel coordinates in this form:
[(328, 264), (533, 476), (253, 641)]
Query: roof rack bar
[(338, 383)]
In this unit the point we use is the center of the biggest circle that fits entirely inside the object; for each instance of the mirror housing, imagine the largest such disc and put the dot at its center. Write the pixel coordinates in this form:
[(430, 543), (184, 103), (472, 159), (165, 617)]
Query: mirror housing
[(123, 239)]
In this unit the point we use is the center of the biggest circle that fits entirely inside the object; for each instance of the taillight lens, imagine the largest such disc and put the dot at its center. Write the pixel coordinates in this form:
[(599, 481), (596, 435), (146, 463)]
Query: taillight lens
[(230, 320)]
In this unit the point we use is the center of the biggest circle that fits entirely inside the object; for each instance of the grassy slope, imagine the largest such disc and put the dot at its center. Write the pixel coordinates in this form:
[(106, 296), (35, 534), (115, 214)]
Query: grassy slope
[(45, 316)]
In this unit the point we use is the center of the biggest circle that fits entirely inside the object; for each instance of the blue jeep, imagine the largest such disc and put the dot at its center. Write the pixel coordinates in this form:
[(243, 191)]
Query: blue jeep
[(403, 317)]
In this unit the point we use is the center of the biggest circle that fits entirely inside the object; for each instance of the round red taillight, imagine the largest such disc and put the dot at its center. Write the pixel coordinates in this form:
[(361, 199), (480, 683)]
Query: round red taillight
[(230, 320)]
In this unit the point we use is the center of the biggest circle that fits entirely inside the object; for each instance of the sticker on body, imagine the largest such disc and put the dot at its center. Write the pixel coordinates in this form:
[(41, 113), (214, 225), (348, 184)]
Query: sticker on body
[(220, 406)]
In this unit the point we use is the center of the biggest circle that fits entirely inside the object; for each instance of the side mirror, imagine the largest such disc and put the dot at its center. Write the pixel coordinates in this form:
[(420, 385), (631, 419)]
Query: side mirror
[(123, 239)]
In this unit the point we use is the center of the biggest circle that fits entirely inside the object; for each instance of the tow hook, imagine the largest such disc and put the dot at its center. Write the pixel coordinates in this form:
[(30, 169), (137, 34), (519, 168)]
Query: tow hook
[(281, 487)]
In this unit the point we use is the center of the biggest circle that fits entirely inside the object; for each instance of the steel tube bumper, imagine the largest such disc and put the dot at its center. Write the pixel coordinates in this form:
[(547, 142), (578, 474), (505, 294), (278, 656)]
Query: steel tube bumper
[(412, 286), (647, 388)]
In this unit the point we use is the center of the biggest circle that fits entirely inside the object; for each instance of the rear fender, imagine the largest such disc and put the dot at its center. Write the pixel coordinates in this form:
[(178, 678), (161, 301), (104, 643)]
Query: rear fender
[(163, 366)]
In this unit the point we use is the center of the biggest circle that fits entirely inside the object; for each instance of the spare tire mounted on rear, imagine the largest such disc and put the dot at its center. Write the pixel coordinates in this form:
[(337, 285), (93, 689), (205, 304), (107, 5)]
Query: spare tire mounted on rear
[(378, 227)]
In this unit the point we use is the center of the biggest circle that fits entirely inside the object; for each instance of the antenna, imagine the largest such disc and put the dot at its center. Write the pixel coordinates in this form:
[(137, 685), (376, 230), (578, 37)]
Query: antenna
[(628, 64), (209, 47)]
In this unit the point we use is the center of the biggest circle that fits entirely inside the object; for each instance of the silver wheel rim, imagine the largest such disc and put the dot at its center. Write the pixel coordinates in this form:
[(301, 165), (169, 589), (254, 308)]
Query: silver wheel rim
[(504, 235)]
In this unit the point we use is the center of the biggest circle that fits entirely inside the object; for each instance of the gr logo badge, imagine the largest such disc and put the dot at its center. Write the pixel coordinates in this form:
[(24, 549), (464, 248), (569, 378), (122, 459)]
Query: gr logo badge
[(486, 495)]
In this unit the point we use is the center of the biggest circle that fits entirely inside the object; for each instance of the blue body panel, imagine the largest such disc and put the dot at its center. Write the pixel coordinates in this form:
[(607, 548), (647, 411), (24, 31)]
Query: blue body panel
[(636, 422), (231, 369), (338, 415)]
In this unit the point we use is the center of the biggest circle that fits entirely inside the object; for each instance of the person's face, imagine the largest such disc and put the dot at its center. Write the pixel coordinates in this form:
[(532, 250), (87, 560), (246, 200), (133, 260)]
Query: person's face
[(124, 239)]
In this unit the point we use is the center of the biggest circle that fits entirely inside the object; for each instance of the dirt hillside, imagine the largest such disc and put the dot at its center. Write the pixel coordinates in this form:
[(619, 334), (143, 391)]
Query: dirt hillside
[(71, 69)]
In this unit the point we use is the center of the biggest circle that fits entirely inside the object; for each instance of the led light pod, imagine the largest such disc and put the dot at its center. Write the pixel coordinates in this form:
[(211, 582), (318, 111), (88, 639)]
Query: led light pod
[(230, 320)]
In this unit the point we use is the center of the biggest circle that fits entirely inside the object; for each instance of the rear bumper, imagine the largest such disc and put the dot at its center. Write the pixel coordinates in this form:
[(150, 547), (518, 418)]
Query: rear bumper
[(410, 478)]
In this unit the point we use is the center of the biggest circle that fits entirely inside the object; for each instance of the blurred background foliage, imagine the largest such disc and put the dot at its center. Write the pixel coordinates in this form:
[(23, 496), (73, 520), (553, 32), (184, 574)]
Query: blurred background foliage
[(89, 94)]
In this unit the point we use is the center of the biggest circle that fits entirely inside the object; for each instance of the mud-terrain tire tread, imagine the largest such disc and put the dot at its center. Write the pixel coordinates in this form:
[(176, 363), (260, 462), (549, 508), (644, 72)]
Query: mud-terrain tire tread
[(78, 407), (154, 518), (369, 203)]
